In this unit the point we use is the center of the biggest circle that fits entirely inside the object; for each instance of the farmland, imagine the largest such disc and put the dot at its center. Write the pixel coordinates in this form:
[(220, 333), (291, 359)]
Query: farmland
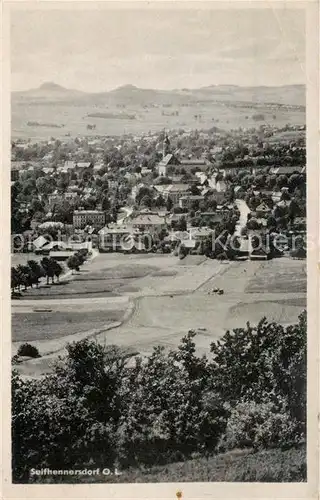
[(156, 299), (75, 119)]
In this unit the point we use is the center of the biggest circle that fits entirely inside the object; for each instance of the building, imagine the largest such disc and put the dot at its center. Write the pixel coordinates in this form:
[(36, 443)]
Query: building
[(116, 238), (258, 246), (167, 160), (174, 191), (172, 159), (119, 238), (83, 218), (188, 201), (56, 198), (149, 222), (263, 210)]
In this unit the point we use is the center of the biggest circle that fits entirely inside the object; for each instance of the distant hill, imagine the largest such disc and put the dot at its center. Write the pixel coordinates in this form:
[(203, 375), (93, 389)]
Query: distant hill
[(48, 91), (52, 92)]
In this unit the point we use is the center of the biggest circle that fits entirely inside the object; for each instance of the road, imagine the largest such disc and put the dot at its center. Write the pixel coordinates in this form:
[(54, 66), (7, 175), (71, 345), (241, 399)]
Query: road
[(244, 211)]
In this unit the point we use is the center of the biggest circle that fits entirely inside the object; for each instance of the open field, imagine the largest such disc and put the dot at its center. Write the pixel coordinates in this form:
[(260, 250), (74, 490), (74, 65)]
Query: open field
[(46, 325), (277, 278), (75, 119), (155, 299)]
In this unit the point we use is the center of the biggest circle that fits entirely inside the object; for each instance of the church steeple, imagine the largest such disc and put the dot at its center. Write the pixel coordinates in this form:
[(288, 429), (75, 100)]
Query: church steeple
[(166, 146)]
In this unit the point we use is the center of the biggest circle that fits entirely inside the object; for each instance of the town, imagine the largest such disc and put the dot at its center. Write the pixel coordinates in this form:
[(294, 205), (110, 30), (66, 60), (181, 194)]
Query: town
[(173, 190)]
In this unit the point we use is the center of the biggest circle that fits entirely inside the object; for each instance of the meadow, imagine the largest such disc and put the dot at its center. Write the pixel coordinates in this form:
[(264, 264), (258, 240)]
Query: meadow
[(196, 116), (157, 299)]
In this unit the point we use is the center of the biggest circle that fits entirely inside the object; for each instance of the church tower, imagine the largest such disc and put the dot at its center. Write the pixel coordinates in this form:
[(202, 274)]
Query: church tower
[(166, 146)]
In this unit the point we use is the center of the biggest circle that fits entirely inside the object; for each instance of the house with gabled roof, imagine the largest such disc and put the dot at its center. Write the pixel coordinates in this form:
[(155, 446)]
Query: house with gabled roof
[(263, 210)]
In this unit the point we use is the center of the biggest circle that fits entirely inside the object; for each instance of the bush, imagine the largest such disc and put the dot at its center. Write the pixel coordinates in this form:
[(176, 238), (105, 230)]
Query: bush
[(96, 408), (28, 350), (258, 426)]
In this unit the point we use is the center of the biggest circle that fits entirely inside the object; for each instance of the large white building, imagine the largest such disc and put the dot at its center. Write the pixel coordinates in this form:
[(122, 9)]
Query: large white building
[(83, 218)]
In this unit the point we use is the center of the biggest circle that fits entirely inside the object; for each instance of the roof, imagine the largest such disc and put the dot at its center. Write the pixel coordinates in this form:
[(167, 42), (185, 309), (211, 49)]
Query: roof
[(69, 164), (84, 212), (172, 188), (165, 161), (52, 244), (151, 219), (263, 206), (83, 164), (193, 197), (194, 161), (39, 242), (51, 223), (284, 203), (115, 229), (189, 243), (179, 187), (286, 170), (198, 232)]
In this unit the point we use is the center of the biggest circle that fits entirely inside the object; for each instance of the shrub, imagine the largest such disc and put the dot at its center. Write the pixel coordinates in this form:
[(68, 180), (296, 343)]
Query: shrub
[(258, 426), (28, 350)]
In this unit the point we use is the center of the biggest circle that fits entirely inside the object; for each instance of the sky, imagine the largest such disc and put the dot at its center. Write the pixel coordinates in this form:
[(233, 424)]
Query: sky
[(162, 48)]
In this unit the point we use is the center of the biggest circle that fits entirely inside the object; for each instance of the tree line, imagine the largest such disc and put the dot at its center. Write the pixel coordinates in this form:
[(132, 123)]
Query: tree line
[(30, 274)]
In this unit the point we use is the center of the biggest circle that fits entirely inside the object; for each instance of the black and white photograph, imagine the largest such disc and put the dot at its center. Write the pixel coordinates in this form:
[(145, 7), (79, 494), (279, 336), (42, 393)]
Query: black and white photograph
[(158, 244)]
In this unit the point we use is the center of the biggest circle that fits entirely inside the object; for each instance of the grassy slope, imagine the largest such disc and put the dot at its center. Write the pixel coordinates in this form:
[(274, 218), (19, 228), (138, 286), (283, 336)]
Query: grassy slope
[(235, 466), (264, 466)]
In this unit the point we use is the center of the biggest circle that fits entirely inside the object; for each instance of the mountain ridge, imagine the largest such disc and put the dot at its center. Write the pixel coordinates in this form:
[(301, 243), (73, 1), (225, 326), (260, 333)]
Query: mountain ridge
[(131, 94)]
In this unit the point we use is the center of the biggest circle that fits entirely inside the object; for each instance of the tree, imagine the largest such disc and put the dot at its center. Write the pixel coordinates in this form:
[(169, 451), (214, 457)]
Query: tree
[(57, 269), (48, 266), (262, 357), (169, 204), (24, 276), (15, 279), (44, 185), (28, 350), (146, 201), (75, 261), (160, 201), (105, 203), (271, 222), (181, 224), (194, 190), (36, 270), (144, 191), (282, 181)]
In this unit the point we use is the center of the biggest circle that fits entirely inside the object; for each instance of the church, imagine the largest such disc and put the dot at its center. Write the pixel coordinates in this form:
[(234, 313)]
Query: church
[(170, 159)]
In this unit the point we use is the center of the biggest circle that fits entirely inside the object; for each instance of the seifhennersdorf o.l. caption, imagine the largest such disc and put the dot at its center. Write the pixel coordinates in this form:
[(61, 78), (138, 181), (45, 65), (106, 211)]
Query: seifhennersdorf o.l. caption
[(75, 472)]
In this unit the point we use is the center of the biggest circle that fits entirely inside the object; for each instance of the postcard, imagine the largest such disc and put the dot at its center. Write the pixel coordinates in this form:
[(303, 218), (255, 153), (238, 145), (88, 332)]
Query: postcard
[(160, 219)]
